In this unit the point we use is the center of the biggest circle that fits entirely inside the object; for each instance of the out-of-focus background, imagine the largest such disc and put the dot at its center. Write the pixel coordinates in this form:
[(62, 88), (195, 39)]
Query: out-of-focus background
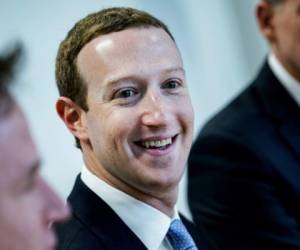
[(220, 43)]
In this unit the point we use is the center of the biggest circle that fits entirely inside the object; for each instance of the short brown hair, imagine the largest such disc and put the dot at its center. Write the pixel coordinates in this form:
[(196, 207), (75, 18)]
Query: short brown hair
[(274, 2), (68, 79)]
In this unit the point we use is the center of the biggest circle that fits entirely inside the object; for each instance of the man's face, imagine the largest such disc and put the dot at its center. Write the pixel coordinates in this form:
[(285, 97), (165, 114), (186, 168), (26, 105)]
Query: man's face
[(27, 204), (286, 44), (140, 118)]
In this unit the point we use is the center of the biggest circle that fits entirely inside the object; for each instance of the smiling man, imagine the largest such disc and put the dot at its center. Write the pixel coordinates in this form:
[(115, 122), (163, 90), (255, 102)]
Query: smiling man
[(125, 98), (27, 204)]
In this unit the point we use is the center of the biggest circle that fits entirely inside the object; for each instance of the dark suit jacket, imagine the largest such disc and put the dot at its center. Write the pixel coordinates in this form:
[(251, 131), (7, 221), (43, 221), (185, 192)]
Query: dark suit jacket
[(244, 170), (95, 226)]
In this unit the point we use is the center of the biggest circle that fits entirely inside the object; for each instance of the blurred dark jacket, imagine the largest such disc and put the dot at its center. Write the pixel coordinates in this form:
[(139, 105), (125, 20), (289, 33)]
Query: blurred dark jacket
[(244, 170)]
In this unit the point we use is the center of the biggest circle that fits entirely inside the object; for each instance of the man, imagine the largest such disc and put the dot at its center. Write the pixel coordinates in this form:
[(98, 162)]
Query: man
[(244, 168), (124, 96), (27, 204)]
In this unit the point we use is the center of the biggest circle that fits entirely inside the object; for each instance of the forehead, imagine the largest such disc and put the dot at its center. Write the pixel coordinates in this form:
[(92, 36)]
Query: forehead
[(135, 50), (17, 150)]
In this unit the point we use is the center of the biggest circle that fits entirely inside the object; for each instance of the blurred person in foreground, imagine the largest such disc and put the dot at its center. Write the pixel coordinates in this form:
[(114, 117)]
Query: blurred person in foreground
[(124, 96), (27, 204), (244, 168)]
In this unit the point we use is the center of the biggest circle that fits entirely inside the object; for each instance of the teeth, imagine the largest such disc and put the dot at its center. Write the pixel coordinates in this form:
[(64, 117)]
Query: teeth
[(157, 144)]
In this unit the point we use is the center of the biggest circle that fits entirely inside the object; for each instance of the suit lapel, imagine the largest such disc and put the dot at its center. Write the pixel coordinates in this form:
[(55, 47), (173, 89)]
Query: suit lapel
[(281, 107), (284, 114), (199, 236), (288, 160), (290, 132), (101, 220)]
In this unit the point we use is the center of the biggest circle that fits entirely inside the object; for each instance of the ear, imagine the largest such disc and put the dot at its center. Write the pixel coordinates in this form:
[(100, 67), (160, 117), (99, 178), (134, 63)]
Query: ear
[(73, 116), (265, 18)]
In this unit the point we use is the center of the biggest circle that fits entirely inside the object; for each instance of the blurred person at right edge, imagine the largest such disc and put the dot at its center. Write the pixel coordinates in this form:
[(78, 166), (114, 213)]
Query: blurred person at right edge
[(244, 167)]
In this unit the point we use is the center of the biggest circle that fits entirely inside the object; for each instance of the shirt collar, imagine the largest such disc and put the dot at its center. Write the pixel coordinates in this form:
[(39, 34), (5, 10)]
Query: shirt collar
[(285, 78), (147, 222)]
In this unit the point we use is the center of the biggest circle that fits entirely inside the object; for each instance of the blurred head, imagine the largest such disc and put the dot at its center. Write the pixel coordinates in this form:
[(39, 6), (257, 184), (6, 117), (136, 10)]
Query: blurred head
[(135, 127), (27, 204), (279, 22)]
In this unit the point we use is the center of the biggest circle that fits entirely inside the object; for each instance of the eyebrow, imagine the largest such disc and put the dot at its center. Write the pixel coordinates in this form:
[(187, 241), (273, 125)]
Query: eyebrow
[(115, 81), (176, 69)]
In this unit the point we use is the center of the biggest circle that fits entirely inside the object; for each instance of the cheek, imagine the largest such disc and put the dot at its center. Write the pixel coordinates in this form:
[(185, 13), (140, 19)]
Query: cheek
[(112, 131), (31, 208), (22, 221), (295, 40), (186, 113), (121, 134), (95, 128)]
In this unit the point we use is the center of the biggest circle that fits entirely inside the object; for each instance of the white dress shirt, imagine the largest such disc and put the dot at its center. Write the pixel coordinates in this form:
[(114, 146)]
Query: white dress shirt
[(148, 223), (285, 78)]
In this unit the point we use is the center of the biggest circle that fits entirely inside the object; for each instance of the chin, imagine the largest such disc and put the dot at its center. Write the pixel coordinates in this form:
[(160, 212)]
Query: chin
[(163, 184)]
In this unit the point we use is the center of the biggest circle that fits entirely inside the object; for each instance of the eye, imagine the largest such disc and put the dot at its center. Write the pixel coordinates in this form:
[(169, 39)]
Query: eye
[(171, 84), (31, 183), (125, 93), (28, 185)]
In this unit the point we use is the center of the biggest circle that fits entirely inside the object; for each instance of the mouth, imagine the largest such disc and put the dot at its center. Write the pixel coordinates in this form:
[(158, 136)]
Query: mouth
[(157, 143)]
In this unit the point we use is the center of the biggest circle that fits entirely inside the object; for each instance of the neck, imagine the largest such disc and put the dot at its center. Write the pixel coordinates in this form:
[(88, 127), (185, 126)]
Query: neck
[(163, 199), (290, 66)]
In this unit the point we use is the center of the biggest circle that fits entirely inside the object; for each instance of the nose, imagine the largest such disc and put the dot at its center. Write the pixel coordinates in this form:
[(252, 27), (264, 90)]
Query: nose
[(55, 209), (154, 110)]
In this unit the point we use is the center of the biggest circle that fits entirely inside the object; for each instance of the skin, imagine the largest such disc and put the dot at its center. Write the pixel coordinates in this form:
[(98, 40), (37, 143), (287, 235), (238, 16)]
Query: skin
[(137, 92), (27, 204), (280, 25)]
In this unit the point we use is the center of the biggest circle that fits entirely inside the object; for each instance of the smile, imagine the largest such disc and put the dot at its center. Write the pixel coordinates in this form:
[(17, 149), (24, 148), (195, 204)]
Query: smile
[(160, 144), (157, 143)]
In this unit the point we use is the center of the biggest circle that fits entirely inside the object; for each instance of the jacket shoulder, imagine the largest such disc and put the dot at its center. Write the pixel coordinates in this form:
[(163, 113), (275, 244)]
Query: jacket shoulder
[(74, 235), (240, 111)]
